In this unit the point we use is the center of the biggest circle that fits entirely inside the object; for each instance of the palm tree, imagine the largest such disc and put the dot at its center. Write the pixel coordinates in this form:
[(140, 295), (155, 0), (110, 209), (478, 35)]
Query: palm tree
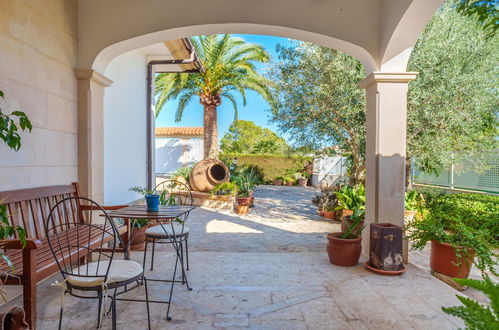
[(229, 67)]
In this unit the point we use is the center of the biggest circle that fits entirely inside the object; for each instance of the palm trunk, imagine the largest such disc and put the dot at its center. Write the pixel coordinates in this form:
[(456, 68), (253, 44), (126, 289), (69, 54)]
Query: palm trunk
[(210, 131)]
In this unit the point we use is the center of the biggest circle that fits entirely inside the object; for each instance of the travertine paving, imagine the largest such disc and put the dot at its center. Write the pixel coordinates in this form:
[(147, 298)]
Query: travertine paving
[(269, 270)]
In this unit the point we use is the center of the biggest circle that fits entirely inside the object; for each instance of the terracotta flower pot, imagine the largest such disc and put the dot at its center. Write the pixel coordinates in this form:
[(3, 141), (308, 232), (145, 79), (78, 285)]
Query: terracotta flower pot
[(346, 212), (242, 209), (343, 252), (289, 183), (13, 319), (277, 182), (138, 236), (330, 215), (346, 222), (443, 260), (302, 182), (243, 200)]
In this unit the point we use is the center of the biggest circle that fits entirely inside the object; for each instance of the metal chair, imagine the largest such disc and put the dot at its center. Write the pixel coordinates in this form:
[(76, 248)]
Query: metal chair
[(91, 235), (172, 192)]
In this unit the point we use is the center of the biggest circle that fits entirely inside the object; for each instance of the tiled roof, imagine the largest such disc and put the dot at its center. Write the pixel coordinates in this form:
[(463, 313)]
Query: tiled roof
[(179, 131)]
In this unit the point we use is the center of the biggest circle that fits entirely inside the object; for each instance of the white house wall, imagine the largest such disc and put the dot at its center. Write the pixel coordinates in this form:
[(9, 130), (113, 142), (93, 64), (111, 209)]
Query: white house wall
[(125, 127)]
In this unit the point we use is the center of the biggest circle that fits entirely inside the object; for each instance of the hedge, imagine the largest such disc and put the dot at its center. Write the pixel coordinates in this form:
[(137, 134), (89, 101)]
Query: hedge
[(272, 165), (480, 212)]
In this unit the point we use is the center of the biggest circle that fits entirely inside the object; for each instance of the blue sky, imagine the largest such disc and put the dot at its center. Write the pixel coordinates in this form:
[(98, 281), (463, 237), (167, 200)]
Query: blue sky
[(256, 108)]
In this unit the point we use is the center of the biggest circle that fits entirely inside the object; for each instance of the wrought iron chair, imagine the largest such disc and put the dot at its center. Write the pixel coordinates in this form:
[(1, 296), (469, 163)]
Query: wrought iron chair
[(91, 235), (172, 192)]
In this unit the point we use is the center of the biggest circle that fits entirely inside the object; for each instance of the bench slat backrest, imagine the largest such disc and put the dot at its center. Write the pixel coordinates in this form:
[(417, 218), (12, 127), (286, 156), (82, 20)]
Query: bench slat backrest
[(30, 207)]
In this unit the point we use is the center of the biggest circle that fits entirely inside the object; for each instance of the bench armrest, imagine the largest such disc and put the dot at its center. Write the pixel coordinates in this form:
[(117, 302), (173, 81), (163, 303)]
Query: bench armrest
[(16, 244)]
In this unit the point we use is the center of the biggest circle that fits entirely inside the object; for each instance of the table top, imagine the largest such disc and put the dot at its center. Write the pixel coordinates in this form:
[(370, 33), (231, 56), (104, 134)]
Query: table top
[(140, 212)]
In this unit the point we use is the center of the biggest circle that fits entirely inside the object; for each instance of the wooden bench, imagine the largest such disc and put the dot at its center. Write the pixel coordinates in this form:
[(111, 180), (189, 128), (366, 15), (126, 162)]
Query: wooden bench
[(30, 208)]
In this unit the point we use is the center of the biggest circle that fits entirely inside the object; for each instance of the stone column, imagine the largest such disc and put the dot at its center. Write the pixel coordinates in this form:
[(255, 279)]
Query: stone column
[(385, 148), (91, 85)]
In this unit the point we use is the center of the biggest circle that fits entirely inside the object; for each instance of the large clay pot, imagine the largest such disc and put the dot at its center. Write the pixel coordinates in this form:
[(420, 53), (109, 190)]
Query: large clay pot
[(443, 260), (138, 236), (343, 252), (207, 174), (277, 182), (13, 319)]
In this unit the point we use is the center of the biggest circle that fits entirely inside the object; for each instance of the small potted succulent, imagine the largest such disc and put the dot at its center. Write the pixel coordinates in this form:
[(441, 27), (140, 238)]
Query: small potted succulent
[(344, 248), (289, 181), (278, 181)]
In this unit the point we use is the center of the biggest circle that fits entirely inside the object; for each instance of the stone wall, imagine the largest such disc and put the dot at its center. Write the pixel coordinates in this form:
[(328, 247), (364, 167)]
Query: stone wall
[(38, 53)]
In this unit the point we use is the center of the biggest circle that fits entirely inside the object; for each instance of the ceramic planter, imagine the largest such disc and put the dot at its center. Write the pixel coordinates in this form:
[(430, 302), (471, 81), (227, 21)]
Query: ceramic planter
[(443, 260), (277, 182), (13, 318), (152, 201), (385, 247), (343, 252), (302, 182), (330, 215), (290, 184)]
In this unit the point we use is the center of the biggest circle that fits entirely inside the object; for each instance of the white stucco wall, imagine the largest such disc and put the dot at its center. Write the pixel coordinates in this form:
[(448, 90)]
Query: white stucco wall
[(125, 127)]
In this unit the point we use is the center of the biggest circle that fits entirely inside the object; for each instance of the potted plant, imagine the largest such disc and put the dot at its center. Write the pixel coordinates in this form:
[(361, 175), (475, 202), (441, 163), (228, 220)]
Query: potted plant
[(245, 185), (225, 189), (349, 199), (344, 248), (278, 181), (330, 210), (455, 239), (289, 181), (13, 317), (318, 201), (152, 199), (412, 204)]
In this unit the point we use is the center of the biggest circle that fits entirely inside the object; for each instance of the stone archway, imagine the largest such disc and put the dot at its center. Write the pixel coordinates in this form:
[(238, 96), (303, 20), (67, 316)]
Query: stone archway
[(380, 34)]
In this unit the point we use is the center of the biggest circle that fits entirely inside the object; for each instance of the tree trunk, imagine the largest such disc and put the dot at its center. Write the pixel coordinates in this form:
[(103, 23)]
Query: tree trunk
[(210, 131)]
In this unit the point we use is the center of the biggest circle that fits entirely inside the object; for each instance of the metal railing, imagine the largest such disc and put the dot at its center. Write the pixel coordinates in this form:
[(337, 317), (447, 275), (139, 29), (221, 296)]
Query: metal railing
[(465, 175)]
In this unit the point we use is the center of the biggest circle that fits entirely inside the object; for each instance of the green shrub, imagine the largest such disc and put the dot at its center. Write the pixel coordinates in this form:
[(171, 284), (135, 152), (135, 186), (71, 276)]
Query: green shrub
[(480, 212), (272, 166), (475, 315)]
